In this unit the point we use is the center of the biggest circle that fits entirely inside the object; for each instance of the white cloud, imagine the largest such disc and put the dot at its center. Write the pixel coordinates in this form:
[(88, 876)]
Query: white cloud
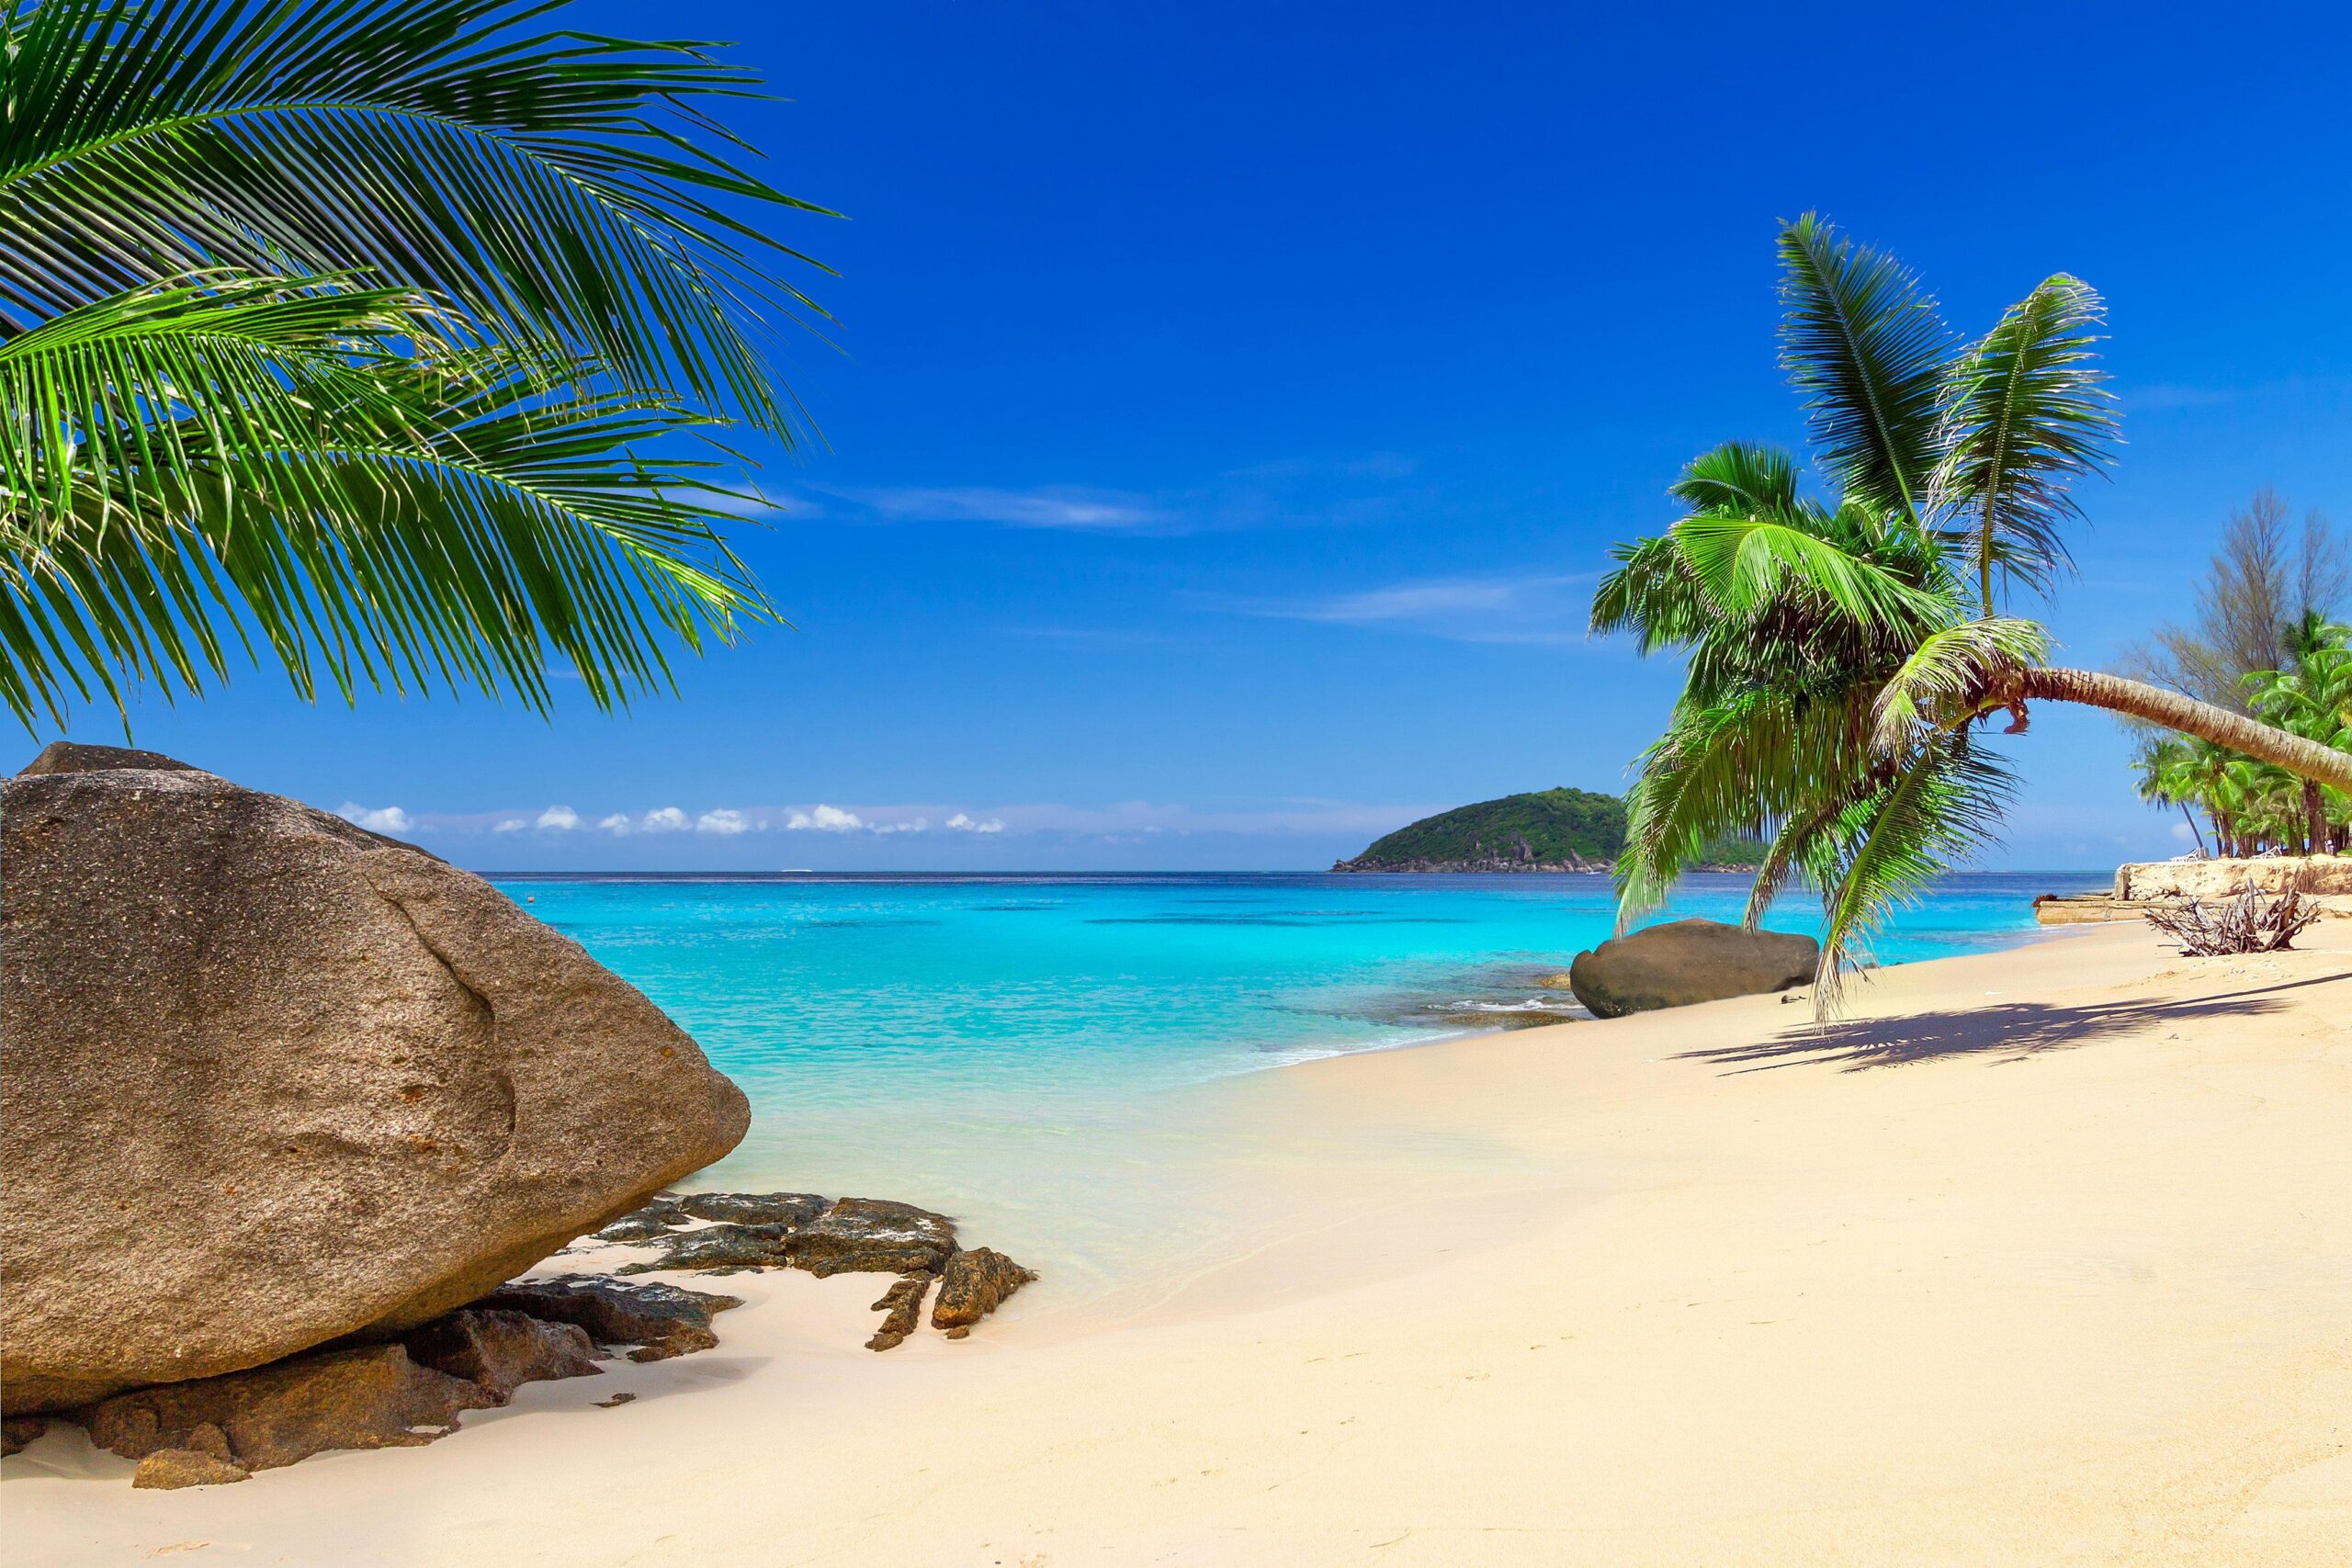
[(721, 821), (559, 819), (512, 824), (964, 824), (824, 819), (617, 823), (667, 820), (381, 819), (917, 825), (1052, 507)]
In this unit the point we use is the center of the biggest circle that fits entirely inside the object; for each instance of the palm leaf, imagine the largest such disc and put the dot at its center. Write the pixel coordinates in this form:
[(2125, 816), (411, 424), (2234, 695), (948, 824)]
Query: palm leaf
[(1944, 803), (537, 180), (2027, 413), (1865, 349)]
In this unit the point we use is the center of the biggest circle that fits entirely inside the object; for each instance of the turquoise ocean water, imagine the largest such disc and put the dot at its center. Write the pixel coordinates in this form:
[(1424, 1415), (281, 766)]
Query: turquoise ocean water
[(975, 1041)]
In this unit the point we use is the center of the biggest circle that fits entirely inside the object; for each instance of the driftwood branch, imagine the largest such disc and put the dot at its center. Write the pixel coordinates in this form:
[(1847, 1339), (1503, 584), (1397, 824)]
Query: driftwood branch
[(2251, 922)]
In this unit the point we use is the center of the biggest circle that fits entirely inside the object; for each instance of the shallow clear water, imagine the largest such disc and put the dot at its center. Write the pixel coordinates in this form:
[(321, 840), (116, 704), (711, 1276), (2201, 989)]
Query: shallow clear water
[(995, 1044)]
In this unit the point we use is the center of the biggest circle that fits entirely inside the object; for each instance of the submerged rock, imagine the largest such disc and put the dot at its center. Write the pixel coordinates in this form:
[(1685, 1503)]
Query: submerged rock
[(502, 1349), (874, 1235), (973, 1284), (268, 1080), (1683, 961), (370, 1397), (903, 1302), (722, 1249), (661, 1321)]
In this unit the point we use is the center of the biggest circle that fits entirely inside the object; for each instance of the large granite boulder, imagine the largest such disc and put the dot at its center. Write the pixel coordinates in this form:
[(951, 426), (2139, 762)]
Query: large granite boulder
[(1682, 962), (268, 1080)]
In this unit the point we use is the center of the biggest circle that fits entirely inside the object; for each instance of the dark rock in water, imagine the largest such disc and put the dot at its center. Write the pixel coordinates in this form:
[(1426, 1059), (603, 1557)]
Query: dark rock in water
[(502, 1350), (168, 1468), (903, 1302), (268, 1080), (16, 1431), (874, 1235), (1688, 961), (661, 1321), (973, 1284), (371, 1397), (723, 1249), (754, 1207)]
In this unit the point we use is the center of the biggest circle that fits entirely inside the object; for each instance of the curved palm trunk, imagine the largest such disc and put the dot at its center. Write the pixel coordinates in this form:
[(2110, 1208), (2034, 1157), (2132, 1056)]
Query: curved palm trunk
[(2305, 759)]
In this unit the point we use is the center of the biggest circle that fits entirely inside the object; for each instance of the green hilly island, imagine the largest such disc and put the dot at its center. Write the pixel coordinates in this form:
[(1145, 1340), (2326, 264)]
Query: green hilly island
[(1548, 829)]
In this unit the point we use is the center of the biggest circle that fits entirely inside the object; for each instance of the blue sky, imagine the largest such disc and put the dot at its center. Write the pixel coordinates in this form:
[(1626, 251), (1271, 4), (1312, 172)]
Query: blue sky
[(1236, 402)]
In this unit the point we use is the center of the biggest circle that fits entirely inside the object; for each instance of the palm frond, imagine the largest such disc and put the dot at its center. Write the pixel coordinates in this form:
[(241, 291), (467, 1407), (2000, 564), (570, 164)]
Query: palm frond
[(1743, 562), (1865, 349), (539, 181), (1942, 805), (512, 521), (2027, 412)]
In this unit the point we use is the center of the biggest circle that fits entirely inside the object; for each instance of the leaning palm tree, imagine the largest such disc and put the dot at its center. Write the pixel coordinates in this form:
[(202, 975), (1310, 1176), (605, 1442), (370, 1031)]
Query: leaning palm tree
[(1843, 652), (380, 333)]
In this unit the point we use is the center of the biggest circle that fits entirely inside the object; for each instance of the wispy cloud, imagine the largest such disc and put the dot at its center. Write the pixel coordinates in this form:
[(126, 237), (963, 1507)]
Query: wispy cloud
[(964, 824), (724, 822), (665, 820), (558, 819), (1052, 506), (1521, 608)]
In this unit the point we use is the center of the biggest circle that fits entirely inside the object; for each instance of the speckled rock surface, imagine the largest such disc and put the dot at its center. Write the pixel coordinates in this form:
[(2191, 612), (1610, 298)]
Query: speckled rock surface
[(268, 1080)]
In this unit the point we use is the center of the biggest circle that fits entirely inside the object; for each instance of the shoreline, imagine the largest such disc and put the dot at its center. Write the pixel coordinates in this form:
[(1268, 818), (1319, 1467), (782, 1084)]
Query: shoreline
[(2041, 1255)]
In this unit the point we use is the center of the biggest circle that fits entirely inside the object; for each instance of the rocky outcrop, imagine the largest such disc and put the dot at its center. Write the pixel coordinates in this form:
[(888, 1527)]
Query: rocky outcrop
[(268, 1080), (370, 1397), (800, 1230), (2182, 879), (1684, 962), (721, 1249), (502, 1350), (658, 1321), (902, 1304), (973, 1284)]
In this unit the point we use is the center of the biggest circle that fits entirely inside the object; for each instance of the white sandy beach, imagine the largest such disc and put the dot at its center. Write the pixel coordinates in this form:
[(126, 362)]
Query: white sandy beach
[(2045, 1258)]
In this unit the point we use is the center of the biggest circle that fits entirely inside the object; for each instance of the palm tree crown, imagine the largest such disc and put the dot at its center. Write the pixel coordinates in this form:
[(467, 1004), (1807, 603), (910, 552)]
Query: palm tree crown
[(1841, 652)]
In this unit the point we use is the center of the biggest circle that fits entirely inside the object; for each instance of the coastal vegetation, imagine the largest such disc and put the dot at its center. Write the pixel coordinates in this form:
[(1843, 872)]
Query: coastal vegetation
[(387, 340), (2263, 641), (2251, 805), (1843, 652)]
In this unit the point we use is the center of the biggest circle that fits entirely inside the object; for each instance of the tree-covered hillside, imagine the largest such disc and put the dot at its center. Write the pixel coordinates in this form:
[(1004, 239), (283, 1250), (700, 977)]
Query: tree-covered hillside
[(1559, 828), (1550, 830)]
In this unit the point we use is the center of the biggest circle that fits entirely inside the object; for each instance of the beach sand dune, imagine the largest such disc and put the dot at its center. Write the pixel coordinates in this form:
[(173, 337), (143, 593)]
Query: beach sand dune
[(2044, 1256)]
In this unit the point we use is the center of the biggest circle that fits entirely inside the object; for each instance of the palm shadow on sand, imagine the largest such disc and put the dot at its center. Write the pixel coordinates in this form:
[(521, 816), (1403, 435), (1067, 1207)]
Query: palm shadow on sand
[(2012, 1030)]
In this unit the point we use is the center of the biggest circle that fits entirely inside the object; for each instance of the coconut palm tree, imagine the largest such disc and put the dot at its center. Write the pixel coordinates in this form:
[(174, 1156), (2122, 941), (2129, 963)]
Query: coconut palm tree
[(2169, 777), (1842, 651), (383, 332), (2312, 698)]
